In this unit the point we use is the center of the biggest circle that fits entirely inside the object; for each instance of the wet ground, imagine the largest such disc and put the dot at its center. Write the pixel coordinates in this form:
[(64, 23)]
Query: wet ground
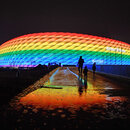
[(70, 101)]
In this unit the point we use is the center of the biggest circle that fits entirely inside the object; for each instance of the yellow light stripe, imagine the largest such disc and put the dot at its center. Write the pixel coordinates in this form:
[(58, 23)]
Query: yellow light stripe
[(61, 45)]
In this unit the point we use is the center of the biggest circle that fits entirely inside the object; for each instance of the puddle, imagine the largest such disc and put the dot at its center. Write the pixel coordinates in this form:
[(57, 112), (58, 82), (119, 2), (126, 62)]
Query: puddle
[(57, 95)]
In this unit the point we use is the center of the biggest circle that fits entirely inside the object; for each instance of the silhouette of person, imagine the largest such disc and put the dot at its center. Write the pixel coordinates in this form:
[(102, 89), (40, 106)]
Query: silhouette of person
[(85, 72), (18, 73), (80, 65), (94, 67)]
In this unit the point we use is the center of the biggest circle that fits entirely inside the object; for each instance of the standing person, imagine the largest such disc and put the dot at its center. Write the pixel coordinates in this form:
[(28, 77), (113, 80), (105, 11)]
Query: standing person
[(17, 73), (80, 64), (94, 67), (85, 72)]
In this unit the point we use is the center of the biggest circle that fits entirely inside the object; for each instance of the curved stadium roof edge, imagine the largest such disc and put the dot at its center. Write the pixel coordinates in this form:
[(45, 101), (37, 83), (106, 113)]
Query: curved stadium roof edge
[(65, 34), (41, 48)]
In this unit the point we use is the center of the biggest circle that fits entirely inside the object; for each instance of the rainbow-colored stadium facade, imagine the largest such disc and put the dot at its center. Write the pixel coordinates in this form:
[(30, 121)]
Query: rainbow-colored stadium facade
[(65, 48)]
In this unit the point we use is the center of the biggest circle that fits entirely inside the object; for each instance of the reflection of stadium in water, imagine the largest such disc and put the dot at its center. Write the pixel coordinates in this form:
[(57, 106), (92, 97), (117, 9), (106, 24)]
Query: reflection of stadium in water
[(56, 93), (68, 96), (66, 48)]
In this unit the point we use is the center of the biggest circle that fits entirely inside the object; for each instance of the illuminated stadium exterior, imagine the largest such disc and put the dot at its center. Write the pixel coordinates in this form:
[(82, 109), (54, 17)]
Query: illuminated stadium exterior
[(65, 48)]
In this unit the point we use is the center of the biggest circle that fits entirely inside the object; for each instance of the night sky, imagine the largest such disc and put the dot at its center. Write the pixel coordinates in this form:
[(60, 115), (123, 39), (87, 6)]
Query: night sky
[(99, 18)]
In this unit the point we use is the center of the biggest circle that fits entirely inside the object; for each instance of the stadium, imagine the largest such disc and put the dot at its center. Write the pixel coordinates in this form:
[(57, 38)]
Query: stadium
[(65, 48)]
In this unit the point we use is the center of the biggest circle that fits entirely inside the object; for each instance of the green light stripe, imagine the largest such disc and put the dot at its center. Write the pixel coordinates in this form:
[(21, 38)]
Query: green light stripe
[(60, 52)]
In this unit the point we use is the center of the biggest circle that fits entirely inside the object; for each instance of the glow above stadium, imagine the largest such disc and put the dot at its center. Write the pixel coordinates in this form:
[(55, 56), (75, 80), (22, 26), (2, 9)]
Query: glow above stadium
[(65, 48)]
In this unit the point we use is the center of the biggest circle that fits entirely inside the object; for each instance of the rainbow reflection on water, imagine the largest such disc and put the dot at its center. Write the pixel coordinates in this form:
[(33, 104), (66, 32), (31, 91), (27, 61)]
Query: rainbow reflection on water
[(66, 97)]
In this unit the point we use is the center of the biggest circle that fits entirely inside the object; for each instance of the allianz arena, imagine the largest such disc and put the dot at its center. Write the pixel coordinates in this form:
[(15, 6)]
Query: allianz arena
[(65, 48)]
